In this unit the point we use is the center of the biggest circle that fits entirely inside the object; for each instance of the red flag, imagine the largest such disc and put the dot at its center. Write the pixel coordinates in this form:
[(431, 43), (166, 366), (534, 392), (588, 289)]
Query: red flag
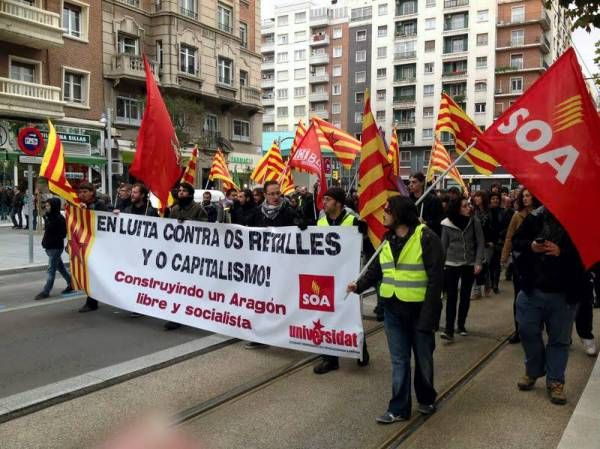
[(308, 157), (549, 141), (156, 161)]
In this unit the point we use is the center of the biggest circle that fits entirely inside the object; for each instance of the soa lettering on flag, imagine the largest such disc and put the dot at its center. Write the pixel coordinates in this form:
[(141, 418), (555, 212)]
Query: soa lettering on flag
[(317, 292)]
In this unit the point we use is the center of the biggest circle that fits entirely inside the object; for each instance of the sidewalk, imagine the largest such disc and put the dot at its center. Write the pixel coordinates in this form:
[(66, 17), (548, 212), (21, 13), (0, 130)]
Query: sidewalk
[(14, 251)]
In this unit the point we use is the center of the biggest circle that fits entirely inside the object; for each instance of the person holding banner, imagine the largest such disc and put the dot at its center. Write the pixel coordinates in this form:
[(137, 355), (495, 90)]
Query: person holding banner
[(336, 215), (140, 204), (410, 268)]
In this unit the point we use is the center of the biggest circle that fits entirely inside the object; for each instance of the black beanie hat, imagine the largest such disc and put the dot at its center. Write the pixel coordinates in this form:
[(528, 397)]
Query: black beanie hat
[(337, 194)]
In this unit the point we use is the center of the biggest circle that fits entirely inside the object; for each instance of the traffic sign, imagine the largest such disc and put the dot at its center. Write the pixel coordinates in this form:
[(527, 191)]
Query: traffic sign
[(30, 159), (30, 141)]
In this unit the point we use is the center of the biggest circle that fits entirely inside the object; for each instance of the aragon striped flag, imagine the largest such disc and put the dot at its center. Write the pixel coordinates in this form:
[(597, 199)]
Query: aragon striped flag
[(269, 167), (189, 175), (394, 153), (80, 237), (439, 161), (452, 119), (343, 145), (219, 170), (286, 181), (300, 131), (53, 168), (374, 176)]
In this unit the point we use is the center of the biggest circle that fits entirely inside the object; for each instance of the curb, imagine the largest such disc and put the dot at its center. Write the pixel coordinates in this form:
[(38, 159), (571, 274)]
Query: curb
[(26, 268)]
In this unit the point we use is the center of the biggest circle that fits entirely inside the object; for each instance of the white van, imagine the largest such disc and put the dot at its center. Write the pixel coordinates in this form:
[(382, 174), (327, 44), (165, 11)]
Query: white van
[(217, 196)]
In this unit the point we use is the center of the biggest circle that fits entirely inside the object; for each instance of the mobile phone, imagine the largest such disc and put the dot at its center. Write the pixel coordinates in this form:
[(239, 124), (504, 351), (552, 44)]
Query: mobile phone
[(540, 240)]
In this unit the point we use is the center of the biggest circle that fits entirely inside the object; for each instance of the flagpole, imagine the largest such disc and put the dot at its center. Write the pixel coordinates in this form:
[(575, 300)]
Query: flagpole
[(419, 201)]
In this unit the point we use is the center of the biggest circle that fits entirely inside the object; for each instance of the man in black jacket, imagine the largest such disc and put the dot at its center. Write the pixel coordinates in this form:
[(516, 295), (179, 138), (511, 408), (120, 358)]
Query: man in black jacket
[(430, 210), (410, 269), (552, 276), (53, 242)]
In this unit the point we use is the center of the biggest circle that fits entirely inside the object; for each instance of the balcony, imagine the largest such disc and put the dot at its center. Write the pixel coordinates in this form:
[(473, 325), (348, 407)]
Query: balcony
[(29, 26), (267, 83), (269, 118), (209, 139), (268, 101), (538, 41), (454, 74), (250, 96), (401, 56), (319, 78), (406, 9), (130, 67), (319, 17), (320, 113), (399, 35), (319, 58), (23, 99), (455, 3), (267, 46), (319, 39), (405, 123), (456, 50), (268, 65), (543, 19), (318, 96), (404, 100), (267, 24), (405, 79)]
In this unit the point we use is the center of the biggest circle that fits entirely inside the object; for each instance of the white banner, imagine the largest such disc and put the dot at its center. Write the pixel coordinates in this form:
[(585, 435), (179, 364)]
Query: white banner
[(279, 286)]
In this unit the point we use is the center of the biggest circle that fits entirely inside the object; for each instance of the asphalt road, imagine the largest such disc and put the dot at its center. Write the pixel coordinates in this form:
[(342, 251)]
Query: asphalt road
[(42, 342)]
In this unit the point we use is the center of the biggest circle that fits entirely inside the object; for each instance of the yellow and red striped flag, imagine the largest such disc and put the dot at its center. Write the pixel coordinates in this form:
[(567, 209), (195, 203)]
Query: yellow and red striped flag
[(374, 176), (269, 167), (439, 161), (343, 145), (53, 168), (300, 131), (394, 153), (219, 170), (452, 119), (189, 175), (80, 238), (286, 181)]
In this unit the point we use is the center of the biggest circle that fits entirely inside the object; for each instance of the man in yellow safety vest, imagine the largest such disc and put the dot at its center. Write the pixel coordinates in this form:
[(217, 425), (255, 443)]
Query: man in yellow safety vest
[(410, 269)]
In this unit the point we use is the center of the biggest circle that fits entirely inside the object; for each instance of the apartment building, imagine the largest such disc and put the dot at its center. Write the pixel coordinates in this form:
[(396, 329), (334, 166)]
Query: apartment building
[(50, 68), (204, 55)]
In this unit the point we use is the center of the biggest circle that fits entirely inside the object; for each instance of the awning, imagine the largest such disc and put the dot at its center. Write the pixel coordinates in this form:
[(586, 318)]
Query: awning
[(127, 156), (69, 158)]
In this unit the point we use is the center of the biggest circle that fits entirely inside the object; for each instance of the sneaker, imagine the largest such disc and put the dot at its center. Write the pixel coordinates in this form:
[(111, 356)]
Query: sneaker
[(556, 391), (590, 346), (67, 290), (496, 290), (526, 383), (171, 326), (325, 366), (476, 295), (255, 345), (446, 336), (87, 308), (487, 292), (389, 418), (462, 331), (135, 315), (365, 359), (41, 295), (514, 339), (426, 409)]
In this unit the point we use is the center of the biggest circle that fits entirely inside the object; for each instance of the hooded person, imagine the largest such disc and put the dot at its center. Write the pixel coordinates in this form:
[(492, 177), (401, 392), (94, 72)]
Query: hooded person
[(53, 242), (186, 208)]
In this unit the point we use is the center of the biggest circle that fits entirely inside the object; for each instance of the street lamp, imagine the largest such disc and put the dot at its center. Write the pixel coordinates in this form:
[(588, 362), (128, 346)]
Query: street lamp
[(106, 120)]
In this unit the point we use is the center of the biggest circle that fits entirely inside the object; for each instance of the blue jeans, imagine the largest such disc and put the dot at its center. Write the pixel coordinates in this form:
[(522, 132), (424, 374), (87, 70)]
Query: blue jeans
[(55, 263), (402, 337), (536, 309)]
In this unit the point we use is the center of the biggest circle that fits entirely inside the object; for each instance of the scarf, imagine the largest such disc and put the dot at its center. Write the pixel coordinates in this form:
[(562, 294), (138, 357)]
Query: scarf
[(269, 211)]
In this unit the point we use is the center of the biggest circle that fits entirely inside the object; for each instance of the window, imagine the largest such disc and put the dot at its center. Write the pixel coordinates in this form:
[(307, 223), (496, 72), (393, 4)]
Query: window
[(516, 84), (427, 133), (363, 13), (516, 61), (282, 21), (426, 156), (482, 15), (337, 70), (336, 89), (481, 62), (361, 55), (282, 39), (430, 3), (381, 95), (382, 30), (282, 75), (128, 44), (405, 156), (282, 57), (428, 112), (299, 92), (381, 73), (282, 94), (225, 71), (381, 52), (428, 90), (429, 46), (482, 39), (225, 18), (282, 111), (299, 36), (188, 8), (380, 115), (358, 136), (187, 59), (358, 117), (517, 37), (300, 17), (360, 77), (71, 19), (244, 34), (159, 53), (299, 55), (479, 108), (336, 108), (382, 9), (359, 97), (517, 14), (241, 130), (22, 71), (129, 111), (74, 89), (428, 67), (299, 74), (361, 35), (243, 78), (299, 111), (337, 33), (430, 24), (480, 86), (337, 52)]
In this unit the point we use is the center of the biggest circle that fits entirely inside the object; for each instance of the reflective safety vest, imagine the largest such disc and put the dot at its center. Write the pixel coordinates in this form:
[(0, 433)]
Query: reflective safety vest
[(347, 221), (407, 278)]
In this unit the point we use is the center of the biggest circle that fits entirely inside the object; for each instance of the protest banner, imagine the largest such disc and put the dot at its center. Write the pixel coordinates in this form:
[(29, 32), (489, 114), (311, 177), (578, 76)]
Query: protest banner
[(278, 286)]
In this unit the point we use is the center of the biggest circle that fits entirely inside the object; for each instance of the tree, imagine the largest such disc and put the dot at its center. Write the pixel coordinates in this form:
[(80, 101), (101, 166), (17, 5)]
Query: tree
[(584, 14), (185, 112)]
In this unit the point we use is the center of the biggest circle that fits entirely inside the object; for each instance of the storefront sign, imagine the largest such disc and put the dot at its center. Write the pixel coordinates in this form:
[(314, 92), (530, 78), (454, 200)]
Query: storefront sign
[(30, 159), (70, 138), (30, 141)]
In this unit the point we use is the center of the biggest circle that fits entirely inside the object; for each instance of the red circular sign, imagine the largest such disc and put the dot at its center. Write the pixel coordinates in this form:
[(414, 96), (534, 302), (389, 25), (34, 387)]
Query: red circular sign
[(31, 141)]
